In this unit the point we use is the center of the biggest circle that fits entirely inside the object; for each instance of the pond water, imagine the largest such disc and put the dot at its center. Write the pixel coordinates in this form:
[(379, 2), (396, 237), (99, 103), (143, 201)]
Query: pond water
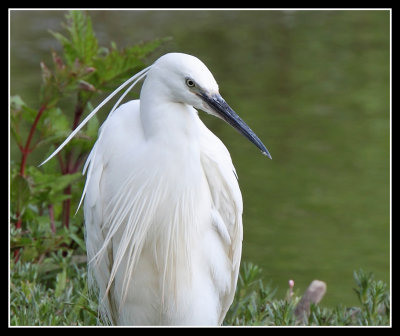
[(314, 86)]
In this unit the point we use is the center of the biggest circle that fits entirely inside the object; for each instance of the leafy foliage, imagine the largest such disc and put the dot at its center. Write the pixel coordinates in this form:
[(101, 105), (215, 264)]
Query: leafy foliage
[(255, 304), (48, 284), (82, 44), (374, 299), (55, 292), (51, 293), (42, 199)]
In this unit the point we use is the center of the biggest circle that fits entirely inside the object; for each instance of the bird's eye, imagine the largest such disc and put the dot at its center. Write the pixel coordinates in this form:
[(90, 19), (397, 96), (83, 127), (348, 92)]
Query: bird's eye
[(190, 82)]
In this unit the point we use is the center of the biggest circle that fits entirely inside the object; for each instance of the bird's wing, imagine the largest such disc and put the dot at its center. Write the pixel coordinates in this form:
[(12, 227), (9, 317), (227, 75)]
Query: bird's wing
[(97, 192), (98, 270), (227, 204)]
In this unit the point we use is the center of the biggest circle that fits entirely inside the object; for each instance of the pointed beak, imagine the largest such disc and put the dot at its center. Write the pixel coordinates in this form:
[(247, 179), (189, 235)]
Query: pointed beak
[(225, 112)]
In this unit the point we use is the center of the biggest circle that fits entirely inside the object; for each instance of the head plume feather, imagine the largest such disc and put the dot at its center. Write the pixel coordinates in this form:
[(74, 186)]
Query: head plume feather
[(135, 79)]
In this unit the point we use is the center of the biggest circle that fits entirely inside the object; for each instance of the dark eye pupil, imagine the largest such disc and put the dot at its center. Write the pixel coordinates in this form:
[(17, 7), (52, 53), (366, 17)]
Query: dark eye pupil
[(190, 82)]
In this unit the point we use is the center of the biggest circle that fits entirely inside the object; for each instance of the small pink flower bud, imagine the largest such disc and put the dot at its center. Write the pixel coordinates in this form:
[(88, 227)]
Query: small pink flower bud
[(291, 285)]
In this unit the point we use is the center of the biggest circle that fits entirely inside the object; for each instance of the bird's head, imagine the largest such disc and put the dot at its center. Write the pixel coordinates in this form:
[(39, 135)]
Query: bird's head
[(185, 79)]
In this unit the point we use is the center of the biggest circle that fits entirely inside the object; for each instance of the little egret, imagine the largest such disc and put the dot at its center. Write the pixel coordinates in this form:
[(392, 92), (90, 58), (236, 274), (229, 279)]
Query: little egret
[(162, 205)]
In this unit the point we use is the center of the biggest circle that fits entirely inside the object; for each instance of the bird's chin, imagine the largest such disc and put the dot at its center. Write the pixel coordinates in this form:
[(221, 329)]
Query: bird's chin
[(211, 112), (206, 108)]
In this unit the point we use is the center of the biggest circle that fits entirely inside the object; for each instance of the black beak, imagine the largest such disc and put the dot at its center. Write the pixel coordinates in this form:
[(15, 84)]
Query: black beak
[(225, 112)]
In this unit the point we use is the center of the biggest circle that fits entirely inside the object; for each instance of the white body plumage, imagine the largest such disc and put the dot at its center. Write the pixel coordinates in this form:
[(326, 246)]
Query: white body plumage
[(181, 240)]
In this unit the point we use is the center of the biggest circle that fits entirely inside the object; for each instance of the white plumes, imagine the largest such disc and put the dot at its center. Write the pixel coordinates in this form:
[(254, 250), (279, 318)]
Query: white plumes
[(133, 215), (137, 76)]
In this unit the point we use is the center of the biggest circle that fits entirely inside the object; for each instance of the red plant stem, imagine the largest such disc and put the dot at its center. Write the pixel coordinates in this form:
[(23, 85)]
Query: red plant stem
[(78, 113), (60, 161), (66, 207), (51, 215), (70, 167), (16, 255), (67, 191), (18, 225), (26, 150), (78, 162)]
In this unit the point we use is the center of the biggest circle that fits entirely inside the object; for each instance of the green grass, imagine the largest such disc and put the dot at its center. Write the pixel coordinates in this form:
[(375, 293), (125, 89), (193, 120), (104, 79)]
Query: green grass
[(256, 304), (54, 293)]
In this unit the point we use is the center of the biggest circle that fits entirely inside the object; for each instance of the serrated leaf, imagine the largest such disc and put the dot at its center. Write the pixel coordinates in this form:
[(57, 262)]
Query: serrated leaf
[(61, 282), (29, 253), (119, 62), (19, 108), (16, 103), (14, 132), (82, 43), (20, 241), (59, 122), (20, 192), (55, 182), (78, 240), (93, 127), (48, 188), (58, 198)]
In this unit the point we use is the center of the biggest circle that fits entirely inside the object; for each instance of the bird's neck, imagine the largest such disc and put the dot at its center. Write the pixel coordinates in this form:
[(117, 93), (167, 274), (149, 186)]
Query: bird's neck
[(171, 123)]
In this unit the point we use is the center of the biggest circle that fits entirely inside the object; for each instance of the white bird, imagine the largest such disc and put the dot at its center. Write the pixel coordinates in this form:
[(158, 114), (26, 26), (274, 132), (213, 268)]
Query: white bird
[(162, 205)]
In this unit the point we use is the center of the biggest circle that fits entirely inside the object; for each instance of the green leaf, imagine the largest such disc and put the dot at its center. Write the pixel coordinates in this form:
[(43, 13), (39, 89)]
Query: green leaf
[(61, 282), (58, 122), (19, 108), (123, 62), (20, 193), (78, 240), (48, 188), (29, 253), (16, 102), (93, 127), (82, 43), (61, 182)]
